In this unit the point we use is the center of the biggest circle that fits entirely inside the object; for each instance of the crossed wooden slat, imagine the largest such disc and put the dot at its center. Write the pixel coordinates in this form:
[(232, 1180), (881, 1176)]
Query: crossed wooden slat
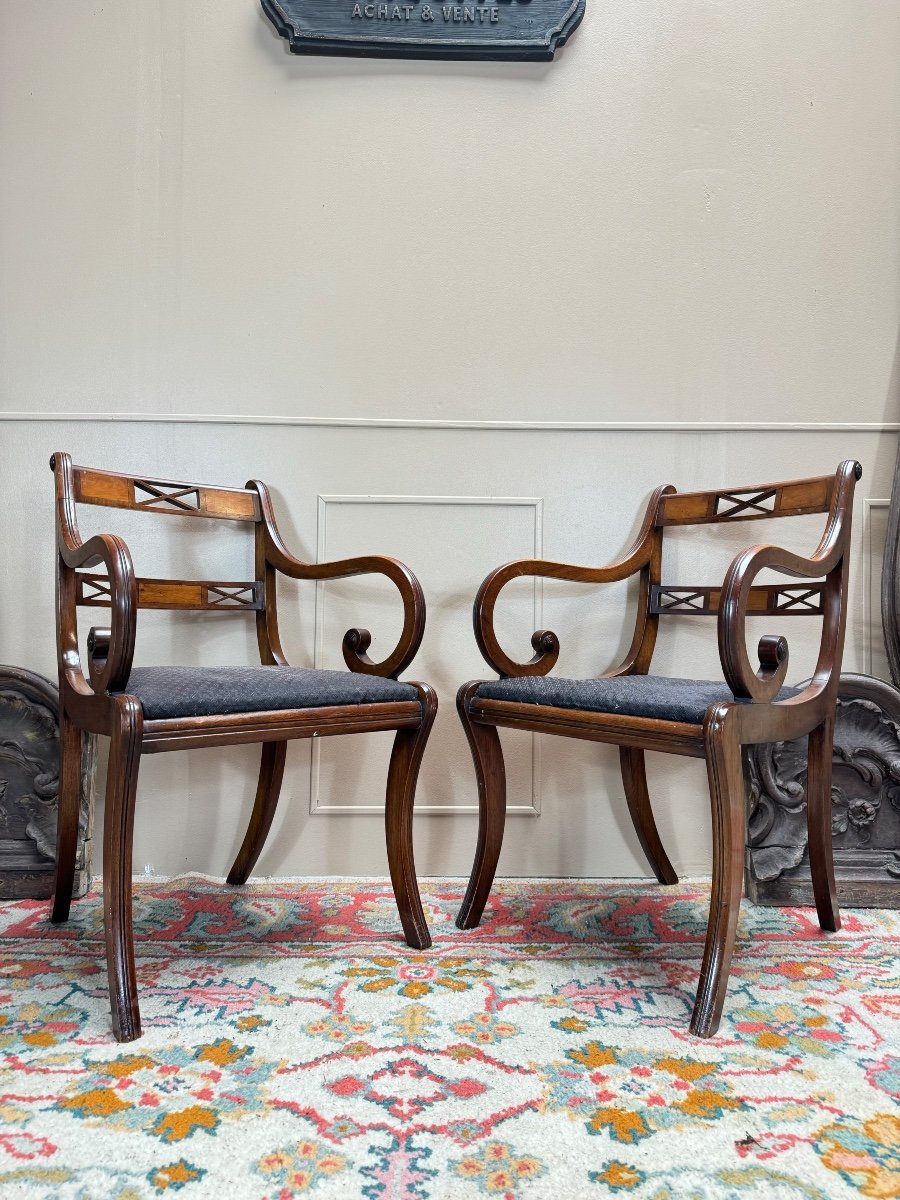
[(755, 502), (765, 600), (98, 583), (230, 597), (809, 598), (159, 494), (673, 599)]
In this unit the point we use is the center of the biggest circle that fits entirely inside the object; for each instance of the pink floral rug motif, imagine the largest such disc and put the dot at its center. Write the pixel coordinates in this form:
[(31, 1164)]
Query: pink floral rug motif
[(294, 1046)]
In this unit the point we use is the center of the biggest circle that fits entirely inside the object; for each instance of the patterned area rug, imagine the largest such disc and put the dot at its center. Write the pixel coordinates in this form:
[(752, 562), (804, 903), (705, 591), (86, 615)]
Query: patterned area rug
[(294, 1046)]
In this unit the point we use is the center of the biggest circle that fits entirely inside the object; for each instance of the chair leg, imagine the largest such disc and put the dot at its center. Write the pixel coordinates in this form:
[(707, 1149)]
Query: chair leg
[(406, 758), (634, 776), (487, 755), (729, 821), (68, 812), (271, 774), (818, 821), (118, 828)]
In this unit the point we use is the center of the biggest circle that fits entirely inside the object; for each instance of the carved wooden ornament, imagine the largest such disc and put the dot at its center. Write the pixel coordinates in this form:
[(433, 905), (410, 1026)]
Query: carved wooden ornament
[(29, 787), (865, 805), (498, 29)]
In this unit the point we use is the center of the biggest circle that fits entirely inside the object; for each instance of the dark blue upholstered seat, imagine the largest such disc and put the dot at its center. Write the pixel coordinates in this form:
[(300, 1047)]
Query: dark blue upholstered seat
[(168, 692), (655, 696)]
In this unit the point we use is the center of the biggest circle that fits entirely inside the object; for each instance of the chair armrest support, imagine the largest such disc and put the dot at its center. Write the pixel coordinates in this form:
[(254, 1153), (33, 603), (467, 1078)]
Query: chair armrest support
[(544, 641), (356, 641), (829, 560), (111, 650)]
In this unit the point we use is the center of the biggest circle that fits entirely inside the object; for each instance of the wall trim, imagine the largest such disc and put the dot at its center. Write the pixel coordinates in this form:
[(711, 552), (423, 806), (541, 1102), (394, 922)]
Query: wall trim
[(462, 423), (869, 555), (536, 503)]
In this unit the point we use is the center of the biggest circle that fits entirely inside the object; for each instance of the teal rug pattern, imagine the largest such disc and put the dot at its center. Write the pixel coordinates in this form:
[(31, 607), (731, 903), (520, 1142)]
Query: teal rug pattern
[(294, 1046)]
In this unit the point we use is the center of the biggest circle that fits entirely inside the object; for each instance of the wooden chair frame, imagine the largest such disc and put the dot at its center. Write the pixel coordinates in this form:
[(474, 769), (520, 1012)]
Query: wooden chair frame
[(101, 704), (753, 717)]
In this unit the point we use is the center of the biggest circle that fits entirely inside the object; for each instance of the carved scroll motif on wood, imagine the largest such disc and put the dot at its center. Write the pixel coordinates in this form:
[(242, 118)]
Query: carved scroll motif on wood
[(865, 805), (29, 788)]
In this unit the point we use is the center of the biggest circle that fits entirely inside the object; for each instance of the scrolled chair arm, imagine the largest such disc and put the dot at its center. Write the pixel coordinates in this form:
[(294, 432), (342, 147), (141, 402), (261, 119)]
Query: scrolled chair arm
[(544, 641), (762, 685), (356, 641), (111, 651)]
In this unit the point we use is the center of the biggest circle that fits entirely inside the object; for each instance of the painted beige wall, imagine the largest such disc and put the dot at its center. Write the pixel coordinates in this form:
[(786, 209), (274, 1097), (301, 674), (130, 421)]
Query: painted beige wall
[(692, 212), (682, 237)]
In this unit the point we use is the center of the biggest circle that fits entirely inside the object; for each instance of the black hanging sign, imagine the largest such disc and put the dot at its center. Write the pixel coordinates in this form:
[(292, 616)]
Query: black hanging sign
[(497, 29)]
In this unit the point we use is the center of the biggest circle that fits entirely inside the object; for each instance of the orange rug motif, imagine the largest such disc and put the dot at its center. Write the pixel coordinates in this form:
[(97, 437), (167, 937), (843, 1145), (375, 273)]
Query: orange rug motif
[(294, 1046)]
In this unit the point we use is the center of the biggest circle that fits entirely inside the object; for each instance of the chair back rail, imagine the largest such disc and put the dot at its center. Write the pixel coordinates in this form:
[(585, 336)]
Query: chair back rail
[(763, 600), (820, 592), (197, 595), (831, 560), (792, 499), (123, 593), (113, 490), (99, 573)]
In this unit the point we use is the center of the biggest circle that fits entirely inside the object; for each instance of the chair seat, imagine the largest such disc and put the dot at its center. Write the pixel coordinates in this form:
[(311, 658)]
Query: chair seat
[(656, 696), (169, 692)]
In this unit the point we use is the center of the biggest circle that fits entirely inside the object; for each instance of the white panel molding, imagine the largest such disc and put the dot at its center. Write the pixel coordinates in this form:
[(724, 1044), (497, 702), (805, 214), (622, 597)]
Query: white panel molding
[(413, 423), (869, 556), (536, 503)]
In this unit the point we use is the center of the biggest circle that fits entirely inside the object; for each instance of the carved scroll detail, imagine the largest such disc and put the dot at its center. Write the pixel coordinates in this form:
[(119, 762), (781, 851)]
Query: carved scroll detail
[(29, 787), (865, 804)]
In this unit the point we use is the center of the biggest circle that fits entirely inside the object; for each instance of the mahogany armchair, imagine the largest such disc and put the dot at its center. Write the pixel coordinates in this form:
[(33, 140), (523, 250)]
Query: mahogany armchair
[(706, 719), (151, 710)]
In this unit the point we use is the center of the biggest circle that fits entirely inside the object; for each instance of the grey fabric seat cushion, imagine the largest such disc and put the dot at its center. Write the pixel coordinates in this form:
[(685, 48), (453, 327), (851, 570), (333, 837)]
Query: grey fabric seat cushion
[(656, 696), (166, 692)]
